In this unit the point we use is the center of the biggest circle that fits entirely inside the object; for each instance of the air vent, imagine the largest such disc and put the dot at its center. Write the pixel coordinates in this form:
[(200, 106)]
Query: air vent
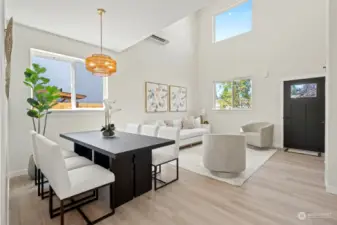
[(159, 40)]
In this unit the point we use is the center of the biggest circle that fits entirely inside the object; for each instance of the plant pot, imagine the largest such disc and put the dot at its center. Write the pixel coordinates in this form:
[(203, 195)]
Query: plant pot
[(31, 168), (108, 133)]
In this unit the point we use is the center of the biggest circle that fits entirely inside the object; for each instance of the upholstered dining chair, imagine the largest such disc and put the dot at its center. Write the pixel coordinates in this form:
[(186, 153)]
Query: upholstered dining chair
[(224, 153), (72, 161), (149, 130), (132, 128), (67, 184), (166, 154)]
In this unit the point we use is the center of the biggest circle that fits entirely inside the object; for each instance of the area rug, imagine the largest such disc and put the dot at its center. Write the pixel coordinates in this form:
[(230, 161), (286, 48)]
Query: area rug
[(191, 159)]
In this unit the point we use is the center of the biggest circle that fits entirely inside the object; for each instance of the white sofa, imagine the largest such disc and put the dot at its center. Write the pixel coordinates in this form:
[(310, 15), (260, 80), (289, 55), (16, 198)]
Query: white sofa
[(187, 136)]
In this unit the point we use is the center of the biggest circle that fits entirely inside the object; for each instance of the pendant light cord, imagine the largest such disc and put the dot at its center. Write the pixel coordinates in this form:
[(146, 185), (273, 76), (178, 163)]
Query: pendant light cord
[(101, 32)]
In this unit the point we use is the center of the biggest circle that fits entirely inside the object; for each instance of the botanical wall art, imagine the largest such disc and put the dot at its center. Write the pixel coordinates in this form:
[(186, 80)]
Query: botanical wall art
[(178, 99), (156, 97)]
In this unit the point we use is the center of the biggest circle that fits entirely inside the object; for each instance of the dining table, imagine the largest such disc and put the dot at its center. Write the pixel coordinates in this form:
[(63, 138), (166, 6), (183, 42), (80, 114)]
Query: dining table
[(127, 155)]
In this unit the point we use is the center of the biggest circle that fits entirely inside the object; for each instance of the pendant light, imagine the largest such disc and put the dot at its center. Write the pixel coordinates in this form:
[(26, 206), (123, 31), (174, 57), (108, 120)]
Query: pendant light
[(100, 64)]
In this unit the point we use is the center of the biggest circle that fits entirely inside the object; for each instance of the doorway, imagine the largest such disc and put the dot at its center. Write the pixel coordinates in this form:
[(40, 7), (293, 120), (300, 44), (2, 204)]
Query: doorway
[(304, 114)]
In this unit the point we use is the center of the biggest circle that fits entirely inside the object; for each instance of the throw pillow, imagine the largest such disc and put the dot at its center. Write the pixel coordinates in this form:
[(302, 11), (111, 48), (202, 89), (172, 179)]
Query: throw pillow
[(188, 123), (177, 123), (160, 123), (169, 123), (197, 122)]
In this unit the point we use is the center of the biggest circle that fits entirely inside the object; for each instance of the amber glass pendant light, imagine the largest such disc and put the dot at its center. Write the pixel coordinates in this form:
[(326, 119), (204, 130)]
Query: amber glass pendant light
[(100, 64)]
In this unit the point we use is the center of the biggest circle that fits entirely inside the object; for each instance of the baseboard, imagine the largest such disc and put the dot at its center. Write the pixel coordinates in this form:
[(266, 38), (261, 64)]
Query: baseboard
[(17, 173), (331, 189)]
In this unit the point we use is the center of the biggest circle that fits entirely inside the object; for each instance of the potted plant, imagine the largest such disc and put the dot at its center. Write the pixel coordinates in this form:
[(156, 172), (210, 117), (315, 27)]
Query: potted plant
[(108, 130), (44, 97)]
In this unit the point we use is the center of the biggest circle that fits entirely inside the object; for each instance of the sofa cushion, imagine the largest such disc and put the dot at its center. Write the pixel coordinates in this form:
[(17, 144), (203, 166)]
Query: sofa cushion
[(188, 123), (177, 123), (160, 123), (197, 122), (190, 133)]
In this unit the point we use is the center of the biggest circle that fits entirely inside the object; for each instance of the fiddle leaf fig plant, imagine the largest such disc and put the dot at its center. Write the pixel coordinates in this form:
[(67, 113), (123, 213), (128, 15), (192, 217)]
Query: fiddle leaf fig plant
[(44, 96)]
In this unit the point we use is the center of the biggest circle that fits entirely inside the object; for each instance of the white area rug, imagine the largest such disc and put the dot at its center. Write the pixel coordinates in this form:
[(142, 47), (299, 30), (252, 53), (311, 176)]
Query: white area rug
[(191, 159)]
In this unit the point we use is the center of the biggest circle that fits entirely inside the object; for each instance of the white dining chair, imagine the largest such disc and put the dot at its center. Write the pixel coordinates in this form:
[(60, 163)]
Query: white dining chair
[(133, 128), (166, 154), (72, 161), (149, 130), (67, 184)]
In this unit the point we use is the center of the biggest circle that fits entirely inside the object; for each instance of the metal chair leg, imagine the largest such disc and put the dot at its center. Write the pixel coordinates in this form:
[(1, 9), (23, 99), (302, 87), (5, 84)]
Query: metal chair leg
[(155, 178), (177, 168), (42, 186), (166, 183), (62, 213), (50, 201), (38, 182), (35, 175)]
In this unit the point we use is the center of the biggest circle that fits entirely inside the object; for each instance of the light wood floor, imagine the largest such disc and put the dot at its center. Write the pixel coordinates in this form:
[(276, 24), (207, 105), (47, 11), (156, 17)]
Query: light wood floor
[(287, 184)]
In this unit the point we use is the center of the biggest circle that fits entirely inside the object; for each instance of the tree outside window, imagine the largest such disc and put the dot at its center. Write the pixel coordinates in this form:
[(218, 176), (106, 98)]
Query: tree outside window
[(236, 94)]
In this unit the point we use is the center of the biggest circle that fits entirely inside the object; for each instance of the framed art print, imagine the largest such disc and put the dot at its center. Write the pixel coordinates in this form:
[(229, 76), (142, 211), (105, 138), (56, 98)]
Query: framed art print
[(156, 97), (178, 99)]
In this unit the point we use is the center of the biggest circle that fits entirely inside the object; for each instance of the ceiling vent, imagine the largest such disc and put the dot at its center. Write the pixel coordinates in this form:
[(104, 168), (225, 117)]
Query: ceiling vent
[(159, 40)]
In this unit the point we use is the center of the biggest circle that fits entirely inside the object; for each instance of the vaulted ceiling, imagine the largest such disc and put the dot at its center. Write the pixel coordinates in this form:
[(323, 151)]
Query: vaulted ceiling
[(125, 23)]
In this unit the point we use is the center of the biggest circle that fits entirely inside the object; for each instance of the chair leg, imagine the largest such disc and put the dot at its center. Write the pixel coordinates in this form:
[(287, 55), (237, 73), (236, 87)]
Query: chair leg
[(155, 178), (42, 185), (62, 213), (177, 168), (50, 201), (166, 183), (38, 182), (78, 203), (35, 175)]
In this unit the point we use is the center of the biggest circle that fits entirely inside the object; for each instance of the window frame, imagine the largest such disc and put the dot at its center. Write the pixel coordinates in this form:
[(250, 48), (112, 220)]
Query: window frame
[(232, 81), (223, 11), (73, 61)]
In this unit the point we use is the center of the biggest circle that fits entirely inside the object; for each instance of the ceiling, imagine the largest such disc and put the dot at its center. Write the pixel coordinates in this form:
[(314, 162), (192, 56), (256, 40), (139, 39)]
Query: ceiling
[(125, 23)]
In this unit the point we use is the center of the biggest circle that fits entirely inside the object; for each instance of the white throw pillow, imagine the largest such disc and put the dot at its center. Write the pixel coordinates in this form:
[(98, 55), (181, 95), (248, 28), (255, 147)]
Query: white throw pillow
[(160, 123), (197, 122), (169, 123), (188, 123), (177, 123)]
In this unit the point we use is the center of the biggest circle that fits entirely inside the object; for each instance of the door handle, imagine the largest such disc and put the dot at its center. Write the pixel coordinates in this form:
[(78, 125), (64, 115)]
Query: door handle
[(323, 122)]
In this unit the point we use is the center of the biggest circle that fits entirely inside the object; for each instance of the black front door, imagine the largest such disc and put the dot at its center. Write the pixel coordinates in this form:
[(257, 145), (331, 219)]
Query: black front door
[(304, 114)]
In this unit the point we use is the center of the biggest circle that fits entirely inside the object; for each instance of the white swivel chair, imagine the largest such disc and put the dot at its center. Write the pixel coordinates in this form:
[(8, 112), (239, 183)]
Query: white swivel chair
[(259, 134), (73, 162), (132, 128), (166, 154), (224, 153), (67, 184), (149, 130)]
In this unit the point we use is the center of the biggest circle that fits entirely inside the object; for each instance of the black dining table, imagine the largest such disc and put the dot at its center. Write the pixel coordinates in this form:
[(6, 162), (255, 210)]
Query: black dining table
[(128, 156)]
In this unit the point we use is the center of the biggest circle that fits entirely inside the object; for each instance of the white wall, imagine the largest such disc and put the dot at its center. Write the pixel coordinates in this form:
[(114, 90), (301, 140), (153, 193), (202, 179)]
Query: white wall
[(331, 153), (288, 40), (173, 63), (147, 61), (3, 125)]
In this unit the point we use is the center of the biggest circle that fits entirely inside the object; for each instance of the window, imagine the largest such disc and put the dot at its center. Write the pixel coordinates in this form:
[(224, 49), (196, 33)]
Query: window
[(79, 88), (303, 91), (235, 94), (233, 22)]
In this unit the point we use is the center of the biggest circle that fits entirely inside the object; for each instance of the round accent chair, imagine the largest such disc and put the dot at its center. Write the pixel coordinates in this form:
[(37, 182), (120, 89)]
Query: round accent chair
[(224, 153)]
